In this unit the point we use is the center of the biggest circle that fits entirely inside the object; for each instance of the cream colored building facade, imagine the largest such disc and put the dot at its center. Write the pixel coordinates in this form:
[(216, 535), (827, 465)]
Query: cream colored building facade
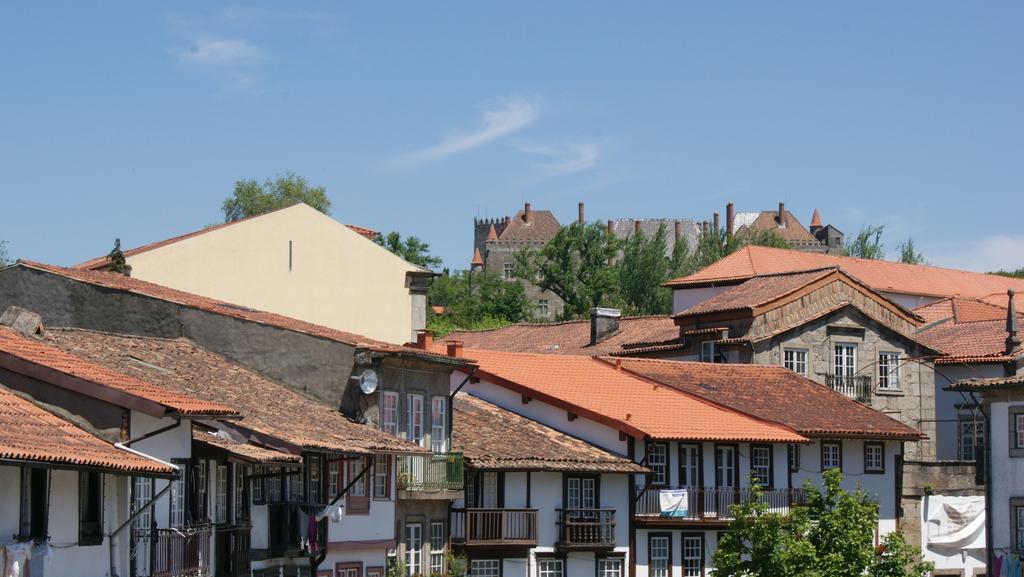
[(297, 262)]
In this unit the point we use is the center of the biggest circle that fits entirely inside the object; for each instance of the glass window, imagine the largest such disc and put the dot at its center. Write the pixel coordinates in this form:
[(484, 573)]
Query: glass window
[(355, 467), (581, 492), (874, 457), (543, 308), (415, 417), (389, 412), (202, 489), (274, 493), (658, 554), (761, 465), (794, 457), (332, 478), (610, 567), (241, 506), (142, 493), (382, 477), (693, 555), (657, 460), (177, 498), (795, 360), (316, 486), (437, 543), (970, 437), (257, 486), (689, 466), (1018, 431), (439, 424), (1019, 537), (221, 495), (506, 270), (484, 568), (889, 371), (90, 508), (831, 456), (845, 360), (708, 352), (413, 545), (550, 567)]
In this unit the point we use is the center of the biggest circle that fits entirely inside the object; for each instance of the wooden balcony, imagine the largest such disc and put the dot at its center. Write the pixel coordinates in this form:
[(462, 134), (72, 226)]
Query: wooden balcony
[(855, 387), (587, 529), (494, 527), (436, 472), (233, 552), (710, 504), (177, 552)]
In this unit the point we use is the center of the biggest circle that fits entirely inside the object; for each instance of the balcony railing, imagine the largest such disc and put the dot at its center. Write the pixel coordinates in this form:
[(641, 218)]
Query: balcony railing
[(586, 528), (436, 472), (709, 504), (286, 521), (234, 553), (494, 527), (173, 552), (856, 387)]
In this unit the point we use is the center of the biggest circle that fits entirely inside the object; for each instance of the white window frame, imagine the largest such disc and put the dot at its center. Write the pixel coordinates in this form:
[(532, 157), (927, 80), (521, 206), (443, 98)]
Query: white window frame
[(414, 548), (414, 418), (177, 512), (382, 477), (966, 451), (507, 270), (889, 376), (316, 485), (610, 567), (1018, 430), (838, 464), (692, 565), (358, 489), (761, 464), (844, 359), (795, 360), (389, 412), (1018, 511), (657, 461), (439, 423), (485, 568), (220, 497), (689, 461), (874, 458), (437, 547), (659, 565), (708, 351), (239, 490), (581, 493), (543, 307), (333, 471), (550, 567)]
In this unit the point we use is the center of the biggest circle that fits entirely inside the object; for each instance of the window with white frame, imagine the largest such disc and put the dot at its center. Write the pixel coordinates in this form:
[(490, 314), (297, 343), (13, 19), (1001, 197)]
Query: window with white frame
[(874, 458), (844, 361), (257, 485), (358, 488), (581, 492), (548, 567), (831, 455), (610, 567), (389, 412), (970, 437), (142, 494), (658, 555), (506, 270), (693, 556), (241, 507), (793, 452), (221, 496), (413, 548), (437, 542), (414, 406), (889, 371), (202, 489), (657, 460), (177, 513), (439, 424), (1018, 430), (761, 465), (315, 483), (274, 485), (332, 478), (689, 466), (708, 352), (382, 477), (543, 308), (484, 568), (795, 360)]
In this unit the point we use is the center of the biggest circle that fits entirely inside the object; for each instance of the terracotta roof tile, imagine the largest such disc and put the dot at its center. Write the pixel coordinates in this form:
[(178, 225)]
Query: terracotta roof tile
[(968, 340), (477, 259), (594, 388), (492, 438), (793, 231), (570, 337), (542, 227), (136, 286), (757, 291), (775, 393), (245, 451), (880, 275), (29, 433), (267, 408), (988, 384), (41, 353)]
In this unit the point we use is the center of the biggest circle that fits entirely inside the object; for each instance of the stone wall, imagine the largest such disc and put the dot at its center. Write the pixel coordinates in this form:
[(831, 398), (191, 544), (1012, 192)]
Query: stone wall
[(498, 254)]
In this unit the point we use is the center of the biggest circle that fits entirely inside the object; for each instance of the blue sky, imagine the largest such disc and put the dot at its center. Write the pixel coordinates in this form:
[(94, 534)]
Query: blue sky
[(133, 119)]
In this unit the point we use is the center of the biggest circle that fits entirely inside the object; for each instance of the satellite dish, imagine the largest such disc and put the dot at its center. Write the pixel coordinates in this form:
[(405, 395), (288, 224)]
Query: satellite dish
[(368, 381)]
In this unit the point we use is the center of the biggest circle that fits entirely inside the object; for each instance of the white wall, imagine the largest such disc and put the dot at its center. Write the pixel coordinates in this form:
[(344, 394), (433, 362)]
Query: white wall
[(967, 554), (946, 401), (368, 556), (173, 444), (1007, 472)]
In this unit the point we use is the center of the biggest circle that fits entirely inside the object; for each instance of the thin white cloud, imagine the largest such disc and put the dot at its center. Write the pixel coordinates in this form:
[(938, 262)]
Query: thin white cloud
[(565, 158), (504, 117), (983, 255), (223, 52)]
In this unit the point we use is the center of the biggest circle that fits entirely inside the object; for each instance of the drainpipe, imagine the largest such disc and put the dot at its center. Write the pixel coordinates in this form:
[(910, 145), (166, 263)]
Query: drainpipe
[(113, 536)]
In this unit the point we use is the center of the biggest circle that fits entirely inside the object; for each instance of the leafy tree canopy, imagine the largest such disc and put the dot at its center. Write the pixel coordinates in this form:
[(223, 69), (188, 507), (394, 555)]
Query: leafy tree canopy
[(909, 253), (477, 300), (868, 243), (1019, 273), (251, 198), (4, 259), (641, 270), (411, 248)]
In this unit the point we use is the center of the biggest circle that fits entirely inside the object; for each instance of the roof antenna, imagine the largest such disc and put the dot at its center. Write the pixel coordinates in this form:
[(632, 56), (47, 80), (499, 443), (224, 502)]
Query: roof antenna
[(1012, 340)]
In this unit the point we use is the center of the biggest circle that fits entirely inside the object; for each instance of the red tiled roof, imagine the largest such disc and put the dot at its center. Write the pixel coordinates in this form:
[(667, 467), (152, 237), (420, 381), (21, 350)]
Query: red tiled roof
[(757, 291), (815, 218), (968, 341), (267, 408), (542, 227), (141, 287), (963, 310), (793, 231), (880, 275), (477, 259), (40, 353), (100, 262), (490, 437), (29, 433), (570, 337), (593, 388), (775, 393), (989, 384), (246, 451)]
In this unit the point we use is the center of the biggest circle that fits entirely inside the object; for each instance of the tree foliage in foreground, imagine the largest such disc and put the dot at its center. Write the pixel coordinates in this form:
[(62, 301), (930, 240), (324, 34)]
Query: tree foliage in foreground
[(1019, 273), (251, 198), (4, 259), (410, 248), (489, 303), (909, 253), (832, 536)]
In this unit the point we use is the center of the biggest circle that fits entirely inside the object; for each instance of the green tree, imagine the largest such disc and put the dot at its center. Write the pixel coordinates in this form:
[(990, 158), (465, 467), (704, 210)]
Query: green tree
[(642, 269), (1019, 273), (411, 248), (868, 243), (251, 198), (4, 259), (477, 300), (909, 253), (574, 266)]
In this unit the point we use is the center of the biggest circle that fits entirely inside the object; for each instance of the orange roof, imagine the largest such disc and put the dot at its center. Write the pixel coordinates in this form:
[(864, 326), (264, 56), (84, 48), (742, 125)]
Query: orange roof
[(815, 218), (880, 275), (477, 259), (128, 284), (29, 433), (639, 407), (19, 353), (492, 234), (100, 262), (570, 337), (790, 229)]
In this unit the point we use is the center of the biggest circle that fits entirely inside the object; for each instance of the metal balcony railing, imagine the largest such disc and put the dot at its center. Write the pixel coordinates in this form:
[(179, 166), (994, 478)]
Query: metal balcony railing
[(436, 472), (494, 527), (586, 528), (711, 503), (179, 552), (856, 387)]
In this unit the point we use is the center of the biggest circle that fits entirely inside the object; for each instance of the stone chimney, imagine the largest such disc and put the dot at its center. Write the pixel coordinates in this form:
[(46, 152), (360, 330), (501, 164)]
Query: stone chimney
[(611, 235), (454, 348), (603, 323), (730, 218), (1012, 340), (582, 220), (527, 213), (22, 321), (636, 226), (715, 220), (679, 230), (424, 339), (704, 226), (782, 215)]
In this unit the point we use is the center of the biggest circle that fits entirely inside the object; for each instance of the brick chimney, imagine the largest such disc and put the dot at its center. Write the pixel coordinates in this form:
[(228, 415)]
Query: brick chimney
[(782, 215), (604, 323), (454, 348), (424, 339), (1012, 340), (582, 220), (636, 226), (679, 230), (704, 226), (730, 218), (715, 220), (611, 235), (527, 213)]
